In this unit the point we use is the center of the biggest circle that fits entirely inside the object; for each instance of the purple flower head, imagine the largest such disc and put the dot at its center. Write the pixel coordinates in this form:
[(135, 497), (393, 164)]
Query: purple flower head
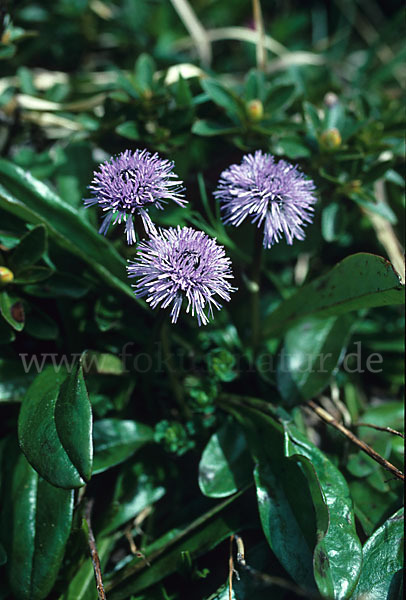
[(182, 264), (128, 184), (272, 193)]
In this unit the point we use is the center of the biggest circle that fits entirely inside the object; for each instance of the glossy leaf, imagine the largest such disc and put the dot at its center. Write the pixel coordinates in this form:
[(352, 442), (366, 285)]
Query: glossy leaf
[(138, 485), (279, 98), (26, 197), (54, 428), (36, 523), (381, 575), (223, 97), (129, 130), (226, 465), (116, 440), (310, 353), (29, 250), (208, 128), (359, 281), (284, 502), (338, 553), (73, 420)]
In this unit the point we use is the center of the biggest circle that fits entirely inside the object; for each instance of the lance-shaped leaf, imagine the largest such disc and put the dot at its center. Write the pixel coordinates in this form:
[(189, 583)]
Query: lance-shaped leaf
[(55, 426), (23, 195), (284, 502), (29, 250), (310, 353), (359, 281), (338, 553), (36, 522), (226, 465), (383, 561)]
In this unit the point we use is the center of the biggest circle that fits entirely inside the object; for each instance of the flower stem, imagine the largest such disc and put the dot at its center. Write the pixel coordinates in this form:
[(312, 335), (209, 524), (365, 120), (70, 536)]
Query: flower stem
[(176, 386), (256, 283)]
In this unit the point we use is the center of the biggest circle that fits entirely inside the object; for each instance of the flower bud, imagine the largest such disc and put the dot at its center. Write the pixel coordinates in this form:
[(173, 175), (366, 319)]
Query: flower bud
[(330, 99), (6, 276), (330, 139), (255, 110)]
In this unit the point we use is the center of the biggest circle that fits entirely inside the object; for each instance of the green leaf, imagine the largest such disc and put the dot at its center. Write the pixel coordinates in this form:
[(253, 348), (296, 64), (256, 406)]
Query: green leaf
[(41, 326), (292, 147), (371, 506), (224, 98), (279, 98), (208, 128), (73, 420), (381, 575), (30, 249), (338, 553), (129, 130), (379, 208), (138, 486), (33, 275), (24, 196), (36, 522), (311, 351), (116, 440), (144, 72), (164, 555), (60, 285), (226, 465), (312, 119), (331, 222), (12, 310), (359, 281), (54, 427), (284, 502)]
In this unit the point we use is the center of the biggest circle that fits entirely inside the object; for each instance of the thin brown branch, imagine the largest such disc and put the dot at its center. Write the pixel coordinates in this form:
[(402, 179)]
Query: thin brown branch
[(327, 418), (379, 428), (93, 552)]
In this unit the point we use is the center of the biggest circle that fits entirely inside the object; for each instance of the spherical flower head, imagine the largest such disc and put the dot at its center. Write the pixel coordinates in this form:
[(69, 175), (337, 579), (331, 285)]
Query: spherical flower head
[(275, 194), (182, 264), (127, 185)]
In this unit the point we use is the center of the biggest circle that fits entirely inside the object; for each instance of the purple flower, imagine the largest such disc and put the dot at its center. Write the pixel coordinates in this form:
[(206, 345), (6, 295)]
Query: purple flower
[(128, 184), (272, 193), (182, 264)]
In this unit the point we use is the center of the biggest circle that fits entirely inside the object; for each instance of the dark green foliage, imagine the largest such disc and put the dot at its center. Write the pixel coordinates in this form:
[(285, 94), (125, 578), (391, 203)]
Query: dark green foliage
[(183, 436)]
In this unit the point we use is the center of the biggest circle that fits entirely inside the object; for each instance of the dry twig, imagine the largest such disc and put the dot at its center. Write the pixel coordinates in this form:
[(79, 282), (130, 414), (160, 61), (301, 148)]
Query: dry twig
[(93, 552), (327, 418)]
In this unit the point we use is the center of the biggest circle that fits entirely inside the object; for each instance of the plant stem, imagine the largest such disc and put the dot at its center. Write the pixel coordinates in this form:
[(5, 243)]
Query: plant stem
[(256, 281), (171, 369), (93, 552)]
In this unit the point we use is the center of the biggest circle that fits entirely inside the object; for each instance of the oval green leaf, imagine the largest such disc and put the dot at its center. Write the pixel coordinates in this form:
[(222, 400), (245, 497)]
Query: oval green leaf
[(310, 353), (359, 281), (54, 428), (338, 553), (36, 522), (226, 465), (116, 440), (381, 575)]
